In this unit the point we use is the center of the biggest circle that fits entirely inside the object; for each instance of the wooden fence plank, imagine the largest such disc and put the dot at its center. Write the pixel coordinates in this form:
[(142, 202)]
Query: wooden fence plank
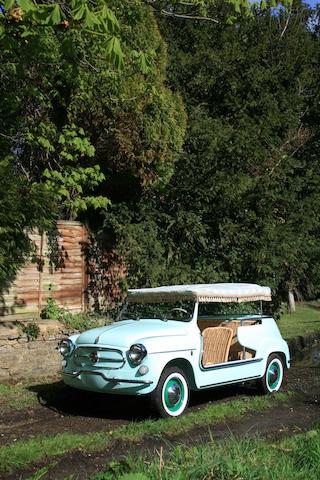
[(66, 283)]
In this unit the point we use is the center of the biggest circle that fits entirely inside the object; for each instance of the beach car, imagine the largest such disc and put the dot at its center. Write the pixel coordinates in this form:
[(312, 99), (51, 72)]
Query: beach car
[(173, 339)]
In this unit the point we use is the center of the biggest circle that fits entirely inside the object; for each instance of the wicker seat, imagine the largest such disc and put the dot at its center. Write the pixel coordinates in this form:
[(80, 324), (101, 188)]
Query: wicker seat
[(216, 345), (237, 351), (233, 324)]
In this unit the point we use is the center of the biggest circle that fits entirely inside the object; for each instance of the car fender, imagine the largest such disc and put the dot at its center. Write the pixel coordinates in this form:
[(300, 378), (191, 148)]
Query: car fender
[(171, 350), (254, 338), (74, 337), (269, 347)]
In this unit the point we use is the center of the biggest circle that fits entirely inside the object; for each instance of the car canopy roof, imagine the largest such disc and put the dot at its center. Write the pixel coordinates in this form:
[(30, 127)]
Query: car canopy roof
[(214, 292)]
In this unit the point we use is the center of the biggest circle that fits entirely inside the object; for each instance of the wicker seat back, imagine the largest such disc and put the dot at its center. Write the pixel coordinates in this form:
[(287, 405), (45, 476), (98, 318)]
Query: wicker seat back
[(216, 345)]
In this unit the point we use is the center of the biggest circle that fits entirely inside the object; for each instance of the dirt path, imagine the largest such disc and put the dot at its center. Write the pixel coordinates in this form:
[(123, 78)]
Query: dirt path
[(63, 410)]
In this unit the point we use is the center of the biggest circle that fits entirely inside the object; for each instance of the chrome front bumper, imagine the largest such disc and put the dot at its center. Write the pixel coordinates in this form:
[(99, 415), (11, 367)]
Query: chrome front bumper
[(107, 379)]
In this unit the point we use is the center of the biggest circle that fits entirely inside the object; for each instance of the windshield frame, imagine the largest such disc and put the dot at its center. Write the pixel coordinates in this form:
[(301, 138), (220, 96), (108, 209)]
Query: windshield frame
[(176, 306)]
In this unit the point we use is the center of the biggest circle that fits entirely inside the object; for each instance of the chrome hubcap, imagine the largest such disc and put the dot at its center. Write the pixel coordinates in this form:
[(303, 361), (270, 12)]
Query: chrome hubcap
[(174, 394), (273, 375)]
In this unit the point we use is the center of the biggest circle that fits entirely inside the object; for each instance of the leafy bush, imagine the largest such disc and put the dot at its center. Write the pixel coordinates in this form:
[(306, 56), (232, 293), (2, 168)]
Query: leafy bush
[(51, 311), (82, 321), (31, 329), (73, 321)]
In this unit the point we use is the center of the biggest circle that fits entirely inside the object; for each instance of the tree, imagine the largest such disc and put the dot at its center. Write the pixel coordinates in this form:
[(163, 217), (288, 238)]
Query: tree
[(23, 206), (243, 202), (81, 130), (78, 128)]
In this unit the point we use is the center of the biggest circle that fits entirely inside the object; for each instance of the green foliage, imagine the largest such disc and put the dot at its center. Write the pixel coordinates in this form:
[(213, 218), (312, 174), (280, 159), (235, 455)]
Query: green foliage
[(84, 133), (70, 182), (51, 310), (247, 171), (25, 19), (80, 322), (243, 202), (136, 122), (75, 131), (31, 329), (23, 206), (73, 321), (213, 12)]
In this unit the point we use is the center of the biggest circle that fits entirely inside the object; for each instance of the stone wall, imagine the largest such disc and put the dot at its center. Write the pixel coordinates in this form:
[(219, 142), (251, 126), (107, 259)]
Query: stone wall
[(298, 345), (21, 358)]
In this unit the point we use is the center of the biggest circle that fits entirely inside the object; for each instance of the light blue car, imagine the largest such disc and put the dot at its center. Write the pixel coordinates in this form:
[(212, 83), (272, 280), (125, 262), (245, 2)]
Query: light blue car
[(170, 340)]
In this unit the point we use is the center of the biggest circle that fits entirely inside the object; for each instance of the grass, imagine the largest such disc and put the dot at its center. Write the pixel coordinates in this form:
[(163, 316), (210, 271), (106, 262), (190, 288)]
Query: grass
[(15, 398), (293, 458), (211, 414), (19, 454), (305, 320)]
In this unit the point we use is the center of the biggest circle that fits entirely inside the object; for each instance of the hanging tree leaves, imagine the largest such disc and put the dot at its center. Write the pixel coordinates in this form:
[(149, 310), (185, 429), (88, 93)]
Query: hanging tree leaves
[(27, 18)]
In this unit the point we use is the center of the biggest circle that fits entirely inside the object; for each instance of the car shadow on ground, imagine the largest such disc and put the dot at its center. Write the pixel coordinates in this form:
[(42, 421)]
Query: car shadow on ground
[(68, 401)]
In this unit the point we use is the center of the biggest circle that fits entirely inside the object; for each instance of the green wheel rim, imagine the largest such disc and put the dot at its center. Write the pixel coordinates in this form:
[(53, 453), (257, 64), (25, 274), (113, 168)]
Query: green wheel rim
[(273, 375), (174, 394)]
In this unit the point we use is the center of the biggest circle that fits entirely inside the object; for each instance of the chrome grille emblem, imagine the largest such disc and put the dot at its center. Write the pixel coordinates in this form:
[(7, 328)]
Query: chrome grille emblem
[(93, 357)]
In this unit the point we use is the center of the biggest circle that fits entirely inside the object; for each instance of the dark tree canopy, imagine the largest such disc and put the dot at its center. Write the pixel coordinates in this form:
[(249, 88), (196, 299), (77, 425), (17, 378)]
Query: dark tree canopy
[(243, 203), (190, 144)]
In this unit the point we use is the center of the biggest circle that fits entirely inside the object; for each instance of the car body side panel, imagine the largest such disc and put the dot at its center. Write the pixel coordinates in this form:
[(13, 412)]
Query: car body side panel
[(264, 338), (169, 343)]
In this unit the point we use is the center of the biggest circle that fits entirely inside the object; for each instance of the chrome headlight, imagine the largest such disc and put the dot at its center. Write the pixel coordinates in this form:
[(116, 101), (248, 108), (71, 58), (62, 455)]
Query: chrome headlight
[(66, 347), (137, 353)]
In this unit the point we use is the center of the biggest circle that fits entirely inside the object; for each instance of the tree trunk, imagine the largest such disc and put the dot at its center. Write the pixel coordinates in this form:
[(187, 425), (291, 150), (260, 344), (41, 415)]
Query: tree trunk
[(291, 302)]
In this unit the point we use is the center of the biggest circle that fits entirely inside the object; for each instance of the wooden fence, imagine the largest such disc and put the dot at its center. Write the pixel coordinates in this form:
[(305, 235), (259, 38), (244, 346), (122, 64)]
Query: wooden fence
[(57, 270)]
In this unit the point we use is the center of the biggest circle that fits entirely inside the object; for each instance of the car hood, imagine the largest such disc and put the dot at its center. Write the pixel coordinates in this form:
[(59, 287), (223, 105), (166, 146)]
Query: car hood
[(125, 333)]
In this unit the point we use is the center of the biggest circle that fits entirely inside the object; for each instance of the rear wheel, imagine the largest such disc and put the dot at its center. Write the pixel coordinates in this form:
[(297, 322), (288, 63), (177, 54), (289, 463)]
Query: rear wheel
[(272, 379), (171, 396)]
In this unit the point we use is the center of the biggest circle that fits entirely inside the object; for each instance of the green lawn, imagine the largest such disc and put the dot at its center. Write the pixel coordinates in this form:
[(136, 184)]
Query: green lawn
[(15, 397), (293, 458), (305, 320)]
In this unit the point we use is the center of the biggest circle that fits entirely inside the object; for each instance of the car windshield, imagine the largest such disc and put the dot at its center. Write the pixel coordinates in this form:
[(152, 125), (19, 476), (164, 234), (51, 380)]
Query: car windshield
[(180, 311)]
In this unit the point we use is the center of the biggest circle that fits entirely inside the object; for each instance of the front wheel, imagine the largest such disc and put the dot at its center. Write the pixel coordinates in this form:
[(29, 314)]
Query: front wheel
[(273, 376), (171, 396)]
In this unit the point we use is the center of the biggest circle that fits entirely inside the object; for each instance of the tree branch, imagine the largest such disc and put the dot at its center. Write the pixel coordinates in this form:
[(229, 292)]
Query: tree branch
[(156, 5), (287, 22), (7, 136), (188, 17)]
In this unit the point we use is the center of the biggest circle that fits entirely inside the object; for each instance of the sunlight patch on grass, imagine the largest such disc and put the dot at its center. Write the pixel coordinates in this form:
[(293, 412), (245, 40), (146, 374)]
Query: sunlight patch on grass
[(21, 453), (304, 321), (15, 398)]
